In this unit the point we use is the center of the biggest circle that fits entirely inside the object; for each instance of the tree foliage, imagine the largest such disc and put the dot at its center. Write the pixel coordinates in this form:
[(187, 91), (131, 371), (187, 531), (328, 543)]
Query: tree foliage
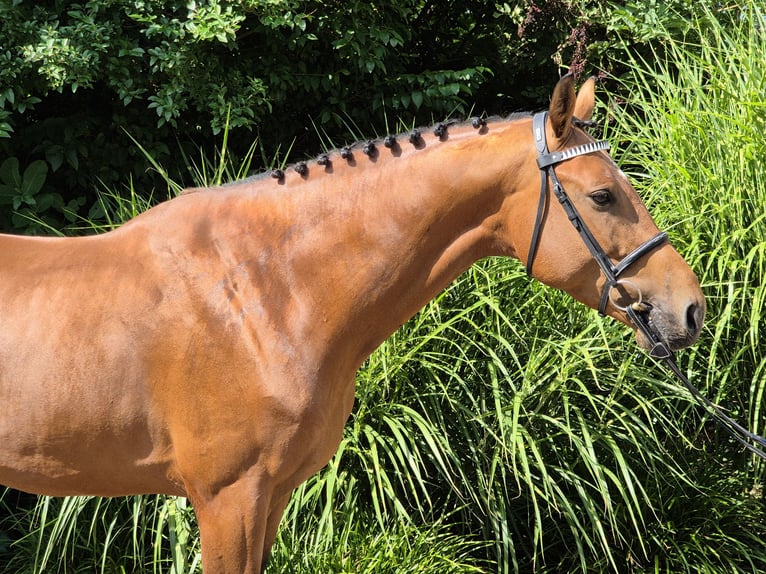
[(74, 77), (78, 80)]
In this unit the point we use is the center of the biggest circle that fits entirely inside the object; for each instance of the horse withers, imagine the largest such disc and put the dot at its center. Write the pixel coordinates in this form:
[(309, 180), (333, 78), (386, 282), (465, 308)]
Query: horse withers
[(208, 347)]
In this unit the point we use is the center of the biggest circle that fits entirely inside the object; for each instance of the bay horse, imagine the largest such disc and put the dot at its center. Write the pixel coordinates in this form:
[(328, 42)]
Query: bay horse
[(208, 347)]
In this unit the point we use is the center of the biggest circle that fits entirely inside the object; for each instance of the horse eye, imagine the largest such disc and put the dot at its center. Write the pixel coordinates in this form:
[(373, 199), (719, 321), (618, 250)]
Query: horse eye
[(601, 198)]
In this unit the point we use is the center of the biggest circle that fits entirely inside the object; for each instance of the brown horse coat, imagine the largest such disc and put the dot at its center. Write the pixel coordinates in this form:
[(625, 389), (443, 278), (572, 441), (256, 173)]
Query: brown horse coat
[(208, 347)]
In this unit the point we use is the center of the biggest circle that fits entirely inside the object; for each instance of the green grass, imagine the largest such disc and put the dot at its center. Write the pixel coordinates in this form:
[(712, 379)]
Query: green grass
[(506, 428)]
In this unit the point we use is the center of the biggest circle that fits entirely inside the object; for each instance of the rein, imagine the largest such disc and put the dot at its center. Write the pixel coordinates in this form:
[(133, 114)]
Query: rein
[(636, 311)]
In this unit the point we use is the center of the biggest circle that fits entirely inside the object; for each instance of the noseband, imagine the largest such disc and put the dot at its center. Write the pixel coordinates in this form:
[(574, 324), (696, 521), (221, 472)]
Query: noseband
[(547, 161)]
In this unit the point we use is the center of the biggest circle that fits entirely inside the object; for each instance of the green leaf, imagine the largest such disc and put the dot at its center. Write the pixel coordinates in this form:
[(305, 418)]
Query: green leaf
[(46, 201), (417, 99), (71, 158), (7, 193), (55, 156), (9, 172), (34, 177)]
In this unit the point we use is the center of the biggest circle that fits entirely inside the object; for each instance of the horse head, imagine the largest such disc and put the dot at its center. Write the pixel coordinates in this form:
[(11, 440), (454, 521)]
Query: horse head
[(591, 234)]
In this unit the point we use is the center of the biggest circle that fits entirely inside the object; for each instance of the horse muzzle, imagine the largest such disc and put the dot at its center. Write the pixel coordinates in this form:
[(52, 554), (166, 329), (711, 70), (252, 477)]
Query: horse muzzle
[(677, 330), (677, 324)]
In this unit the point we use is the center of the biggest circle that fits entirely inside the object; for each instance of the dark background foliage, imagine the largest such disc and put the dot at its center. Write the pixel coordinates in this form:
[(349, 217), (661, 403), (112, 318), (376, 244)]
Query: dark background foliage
[(79, 80)]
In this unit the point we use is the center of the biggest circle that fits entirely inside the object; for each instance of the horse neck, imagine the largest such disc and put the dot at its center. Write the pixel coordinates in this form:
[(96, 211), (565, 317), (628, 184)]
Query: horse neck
[(370, 244)]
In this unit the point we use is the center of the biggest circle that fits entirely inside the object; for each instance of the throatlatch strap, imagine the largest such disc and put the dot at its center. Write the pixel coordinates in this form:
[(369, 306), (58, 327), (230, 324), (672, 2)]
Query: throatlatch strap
[(545, 161), (541, 204), (538, 128)]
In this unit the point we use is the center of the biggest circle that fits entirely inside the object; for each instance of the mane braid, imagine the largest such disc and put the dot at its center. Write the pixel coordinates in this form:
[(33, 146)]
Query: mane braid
[(413, 137)]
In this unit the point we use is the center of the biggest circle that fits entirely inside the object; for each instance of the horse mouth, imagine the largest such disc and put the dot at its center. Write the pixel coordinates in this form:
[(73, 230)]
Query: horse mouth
[(675, 332)]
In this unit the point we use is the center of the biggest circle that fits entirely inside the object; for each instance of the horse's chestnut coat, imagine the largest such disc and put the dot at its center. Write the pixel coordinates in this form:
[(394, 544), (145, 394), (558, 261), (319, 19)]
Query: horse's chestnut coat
[(208, 347)]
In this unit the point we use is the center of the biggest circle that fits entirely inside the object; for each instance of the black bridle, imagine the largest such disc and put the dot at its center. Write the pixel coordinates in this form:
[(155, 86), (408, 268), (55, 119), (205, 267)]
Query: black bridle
[(547, 161), (636, 311)]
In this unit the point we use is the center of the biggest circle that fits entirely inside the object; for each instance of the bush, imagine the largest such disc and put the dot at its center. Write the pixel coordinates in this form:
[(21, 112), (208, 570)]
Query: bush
[(295, 75), (75, 77)]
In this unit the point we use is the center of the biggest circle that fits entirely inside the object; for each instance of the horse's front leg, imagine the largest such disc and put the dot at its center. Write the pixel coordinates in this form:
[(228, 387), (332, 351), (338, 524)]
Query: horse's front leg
[(233, 525), (278, 504)]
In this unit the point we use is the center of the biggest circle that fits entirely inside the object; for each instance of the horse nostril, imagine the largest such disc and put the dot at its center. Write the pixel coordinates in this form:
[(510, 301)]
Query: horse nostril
[(693, 318)]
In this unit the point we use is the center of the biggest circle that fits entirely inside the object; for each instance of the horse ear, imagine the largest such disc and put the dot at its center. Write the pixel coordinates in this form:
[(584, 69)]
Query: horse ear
[(586, 100), (562, 106)]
